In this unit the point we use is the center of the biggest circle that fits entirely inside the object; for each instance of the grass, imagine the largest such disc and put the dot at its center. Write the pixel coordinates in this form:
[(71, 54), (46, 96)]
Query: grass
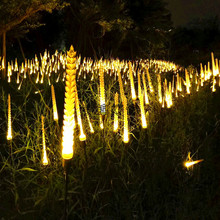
[(144, 179)]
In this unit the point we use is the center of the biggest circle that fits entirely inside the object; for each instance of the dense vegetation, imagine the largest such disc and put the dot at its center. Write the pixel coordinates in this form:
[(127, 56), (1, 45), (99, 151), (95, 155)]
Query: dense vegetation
[(144, 179), (108, 179)]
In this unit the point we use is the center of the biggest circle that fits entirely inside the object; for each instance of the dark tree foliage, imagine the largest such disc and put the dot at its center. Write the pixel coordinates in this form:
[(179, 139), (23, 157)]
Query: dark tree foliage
[(96, 28), (118, 28), (19, 12), (18, 16), (194, 43)]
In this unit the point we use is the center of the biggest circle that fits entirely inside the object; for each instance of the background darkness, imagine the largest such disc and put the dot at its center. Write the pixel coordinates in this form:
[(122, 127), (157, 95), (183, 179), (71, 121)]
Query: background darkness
[(185, 11), (194, 34)]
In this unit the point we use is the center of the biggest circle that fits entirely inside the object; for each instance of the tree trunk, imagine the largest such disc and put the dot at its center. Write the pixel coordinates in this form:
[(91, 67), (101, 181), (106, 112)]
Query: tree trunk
[(4, 55)]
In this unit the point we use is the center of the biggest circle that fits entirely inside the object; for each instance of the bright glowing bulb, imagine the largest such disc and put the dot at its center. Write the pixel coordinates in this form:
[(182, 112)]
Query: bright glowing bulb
[(213, 84), (55, 114), (149, 81), (189, 164), (70, 90), (159, 88), (44, 158), (88, 119), (102, 90), (126, 135), (9, 133), (101, 122), (133, 93), (116, 113), (143, 116), (145, 90), (139, 85), (82, 136), (120, 85), (188, 85)]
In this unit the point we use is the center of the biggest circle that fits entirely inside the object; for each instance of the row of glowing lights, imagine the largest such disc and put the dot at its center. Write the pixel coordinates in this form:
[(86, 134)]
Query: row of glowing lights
[(205, 75), (47, 66)]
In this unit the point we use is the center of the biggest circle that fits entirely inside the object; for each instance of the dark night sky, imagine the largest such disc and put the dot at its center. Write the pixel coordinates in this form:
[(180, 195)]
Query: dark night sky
[(184, 11)]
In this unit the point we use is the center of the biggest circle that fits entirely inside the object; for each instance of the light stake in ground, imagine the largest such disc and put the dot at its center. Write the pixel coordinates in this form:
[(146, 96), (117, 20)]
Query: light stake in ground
[(102, 90), (55, 114), (88, 119), (126, 135), (9, 133), (133, 93), (116, 113), (44, 158), (143, 115), (82, 136), (68, 122), (189, 163)]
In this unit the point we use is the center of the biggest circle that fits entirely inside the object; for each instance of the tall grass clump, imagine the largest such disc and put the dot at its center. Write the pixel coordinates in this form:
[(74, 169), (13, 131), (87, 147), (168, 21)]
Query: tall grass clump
[(108, 179)]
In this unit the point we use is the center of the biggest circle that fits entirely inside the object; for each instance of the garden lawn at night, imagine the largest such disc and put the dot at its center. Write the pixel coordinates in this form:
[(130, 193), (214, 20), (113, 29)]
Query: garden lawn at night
[(135, 123)]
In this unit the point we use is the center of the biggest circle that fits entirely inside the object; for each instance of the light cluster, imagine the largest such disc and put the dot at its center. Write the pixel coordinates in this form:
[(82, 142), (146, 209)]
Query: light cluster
[(138, 82)]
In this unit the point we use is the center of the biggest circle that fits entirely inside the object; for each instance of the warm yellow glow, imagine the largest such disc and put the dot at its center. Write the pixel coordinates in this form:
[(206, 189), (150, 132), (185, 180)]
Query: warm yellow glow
[(55, 114), (143, 116), (126, 135), (170, 98), (88, 119), (18, 74), (145, 89), (42, 79), (102, 90), (202, 75), (70, 90), (187, 83), (3, 63), (9, 72), (44, 158), (133, 93), (120, 85), (159, 88), (139, 85), (215, 70), (167, 94), (213, 84), (149, 81), (116, 113), (188, 164), (82, 136), (101, 122), (9, 133), (208, 72), (179, 83)]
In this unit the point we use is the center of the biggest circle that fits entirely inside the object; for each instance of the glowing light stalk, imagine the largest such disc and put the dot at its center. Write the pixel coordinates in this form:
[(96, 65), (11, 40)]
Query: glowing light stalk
[(116, 113), (149, 81), (143, 116), (133, 93), (88, 119), (126, 135), (55, 114), (145, 90), (188, 85), (70, 90), (82, 136), (120, 85), (159, 88), (44, 158), (102, 90), (188, 164), (139, 86), (9, 133)]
